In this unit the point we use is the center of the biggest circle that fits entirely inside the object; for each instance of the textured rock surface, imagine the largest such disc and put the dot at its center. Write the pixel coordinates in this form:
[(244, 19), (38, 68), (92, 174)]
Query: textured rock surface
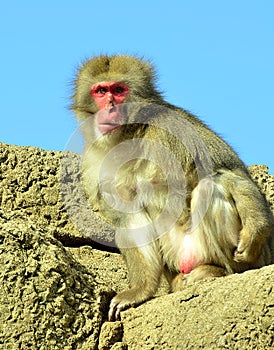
[(54, 295), (47, 299), (235, 312), (45, 187), (264, 180)]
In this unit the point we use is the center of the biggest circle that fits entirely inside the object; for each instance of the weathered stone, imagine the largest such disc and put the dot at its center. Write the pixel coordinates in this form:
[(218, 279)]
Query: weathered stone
[(233, 312), (46, 187), (55, 295), (47, 299)]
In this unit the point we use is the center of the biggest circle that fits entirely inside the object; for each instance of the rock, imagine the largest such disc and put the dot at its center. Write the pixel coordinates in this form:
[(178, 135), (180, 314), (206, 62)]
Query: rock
[(46, 187), (47, 299), (264, 180), (233, 312), (56, 284), (111, 333)]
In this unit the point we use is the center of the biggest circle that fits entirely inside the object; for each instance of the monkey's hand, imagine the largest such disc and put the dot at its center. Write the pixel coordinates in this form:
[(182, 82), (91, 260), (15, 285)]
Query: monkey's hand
[(124, 300), (115, 309), (249, 247)]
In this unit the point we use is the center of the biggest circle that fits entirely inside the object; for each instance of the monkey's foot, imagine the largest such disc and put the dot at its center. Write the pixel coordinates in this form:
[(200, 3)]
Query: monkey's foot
[(178, 283), (199, 273), (202, 272)]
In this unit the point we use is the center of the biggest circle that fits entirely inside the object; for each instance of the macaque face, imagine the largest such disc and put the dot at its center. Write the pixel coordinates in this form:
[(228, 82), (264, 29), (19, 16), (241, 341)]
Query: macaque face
[(108, 95)]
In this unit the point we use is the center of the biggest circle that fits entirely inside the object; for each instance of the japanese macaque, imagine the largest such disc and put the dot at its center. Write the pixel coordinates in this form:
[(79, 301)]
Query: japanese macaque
[(182, 202)]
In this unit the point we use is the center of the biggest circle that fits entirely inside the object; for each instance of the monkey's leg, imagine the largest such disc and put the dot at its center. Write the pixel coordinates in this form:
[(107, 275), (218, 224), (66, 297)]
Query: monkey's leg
[(256, 218), (229, 228), (208, 247), (144, 263)]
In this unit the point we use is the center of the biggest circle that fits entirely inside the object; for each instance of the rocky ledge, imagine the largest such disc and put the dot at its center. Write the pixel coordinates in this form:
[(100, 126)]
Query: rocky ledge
[(60, 268)]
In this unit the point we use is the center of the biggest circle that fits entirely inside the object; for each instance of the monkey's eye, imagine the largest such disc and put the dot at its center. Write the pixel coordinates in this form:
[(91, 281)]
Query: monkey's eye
[(101, 90), (118, 90)]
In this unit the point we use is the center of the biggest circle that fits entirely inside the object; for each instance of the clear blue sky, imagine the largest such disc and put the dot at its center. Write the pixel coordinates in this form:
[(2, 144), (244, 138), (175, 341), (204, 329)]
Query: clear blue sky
[(214, 58)]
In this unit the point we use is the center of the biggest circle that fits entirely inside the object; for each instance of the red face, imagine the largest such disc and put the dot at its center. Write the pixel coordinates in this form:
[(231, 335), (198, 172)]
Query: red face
[(108, 95)]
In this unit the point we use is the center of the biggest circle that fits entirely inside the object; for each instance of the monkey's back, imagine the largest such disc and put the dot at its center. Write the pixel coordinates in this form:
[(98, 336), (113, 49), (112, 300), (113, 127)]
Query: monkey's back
[(221, 153)]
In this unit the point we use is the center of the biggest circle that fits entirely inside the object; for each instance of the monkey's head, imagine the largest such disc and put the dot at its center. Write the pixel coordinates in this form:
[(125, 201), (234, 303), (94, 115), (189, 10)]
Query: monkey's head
[(104, 83)]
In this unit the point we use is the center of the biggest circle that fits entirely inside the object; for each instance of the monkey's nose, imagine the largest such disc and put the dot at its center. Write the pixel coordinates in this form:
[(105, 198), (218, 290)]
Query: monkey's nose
[(109, 96), (109, 105)]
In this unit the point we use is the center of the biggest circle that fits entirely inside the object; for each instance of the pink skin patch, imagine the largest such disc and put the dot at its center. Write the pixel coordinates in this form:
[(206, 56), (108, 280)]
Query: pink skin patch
[(189, 258), (187, 264), (108, 96)]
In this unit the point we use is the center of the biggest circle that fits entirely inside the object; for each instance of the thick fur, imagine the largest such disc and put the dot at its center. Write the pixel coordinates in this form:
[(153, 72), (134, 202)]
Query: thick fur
[(224, 225)]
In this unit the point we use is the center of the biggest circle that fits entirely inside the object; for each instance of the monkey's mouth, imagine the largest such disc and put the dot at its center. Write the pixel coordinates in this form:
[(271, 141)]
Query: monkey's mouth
[(106, 128), (109, 120)]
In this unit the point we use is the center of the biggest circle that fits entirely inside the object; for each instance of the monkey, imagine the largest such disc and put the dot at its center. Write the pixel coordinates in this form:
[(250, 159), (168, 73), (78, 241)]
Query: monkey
[(181, 200)]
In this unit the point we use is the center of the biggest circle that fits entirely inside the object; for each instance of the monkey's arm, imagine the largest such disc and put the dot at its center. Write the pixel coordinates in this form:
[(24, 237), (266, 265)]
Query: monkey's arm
[(145, 268), (256, 218)]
